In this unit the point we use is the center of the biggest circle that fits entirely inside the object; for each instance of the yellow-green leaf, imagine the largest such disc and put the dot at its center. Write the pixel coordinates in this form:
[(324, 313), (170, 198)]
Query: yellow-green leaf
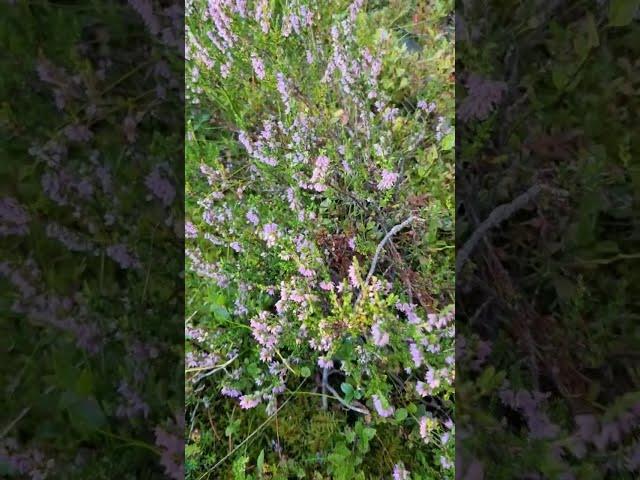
[(621, 12)]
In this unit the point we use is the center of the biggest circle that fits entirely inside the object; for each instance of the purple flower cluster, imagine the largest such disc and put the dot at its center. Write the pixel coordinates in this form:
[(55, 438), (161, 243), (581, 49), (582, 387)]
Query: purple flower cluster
[(25, 461), (250, 401), (283, 89), (380, 337), (222, 36), (46, 308), (14, 219), (201, 360), (190, 230), (270, 234), (529, 403), (267, 335), (258, 66), (298, 18), (262, 15), (382, 406), (170, 439), (388, 180), (122, 256), (160, 187), (132, 404), (399, 472)]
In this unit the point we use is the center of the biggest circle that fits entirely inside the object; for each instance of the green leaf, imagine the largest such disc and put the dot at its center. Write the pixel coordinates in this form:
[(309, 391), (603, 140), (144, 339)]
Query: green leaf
[(432, 154), (621, 12), (592, 31), (346, 388), (85, 413), (84, 383), (305, 372), (369, 432), (239, 467), (260, 463), (401, 414), (220, 313), (350, 435), (448, 141)]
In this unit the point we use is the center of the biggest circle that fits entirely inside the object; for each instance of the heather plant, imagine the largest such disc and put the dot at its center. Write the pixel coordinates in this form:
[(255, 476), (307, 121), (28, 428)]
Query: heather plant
[(319, 199)]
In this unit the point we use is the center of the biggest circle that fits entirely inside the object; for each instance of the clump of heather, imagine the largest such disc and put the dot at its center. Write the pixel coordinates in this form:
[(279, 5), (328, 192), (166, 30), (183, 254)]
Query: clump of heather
[(313, 133)]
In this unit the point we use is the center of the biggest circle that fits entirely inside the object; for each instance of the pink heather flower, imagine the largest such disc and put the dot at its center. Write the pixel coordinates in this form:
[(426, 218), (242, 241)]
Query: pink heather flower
[(120, 254), (190, 230), (378, 150), (160, 187), (327, 286), (388, 180), (416, 354), (230, 392), (252, 218), (307, 15), (380, 337), (14, 219), (390, 113), (241, 7), (258, 66), (353, 275), (284, 91), (324, 362), (236, 247), (145, 10), (426, 107), (446, 464), (132, 404), (399, 472), (306, 272), (382, 411), (320, 170), (270, 234), (309, 57), (263, 15), (78, 133), (424, 433), (422, 389), (352, 243), (240, 309), (246, 143), (172, 447), (249, 401), (409, 310), (432, 380), (225, 69), (295, 23)]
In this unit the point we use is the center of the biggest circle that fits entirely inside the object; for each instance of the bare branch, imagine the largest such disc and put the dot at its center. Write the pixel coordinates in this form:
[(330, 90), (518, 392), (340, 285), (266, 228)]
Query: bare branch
[(497, 216)]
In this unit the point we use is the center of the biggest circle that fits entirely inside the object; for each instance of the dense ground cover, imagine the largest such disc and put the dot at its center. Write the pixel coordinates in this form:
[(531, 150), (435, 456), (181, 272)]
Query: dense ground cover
[(91, 235), (547, 300), (319, 197)]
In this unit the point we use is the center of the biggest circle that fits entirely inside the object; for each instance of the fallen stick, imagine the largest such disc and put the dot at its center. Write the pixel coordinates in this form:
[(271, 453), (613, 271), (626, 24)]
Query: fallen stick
[(496, 217)]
